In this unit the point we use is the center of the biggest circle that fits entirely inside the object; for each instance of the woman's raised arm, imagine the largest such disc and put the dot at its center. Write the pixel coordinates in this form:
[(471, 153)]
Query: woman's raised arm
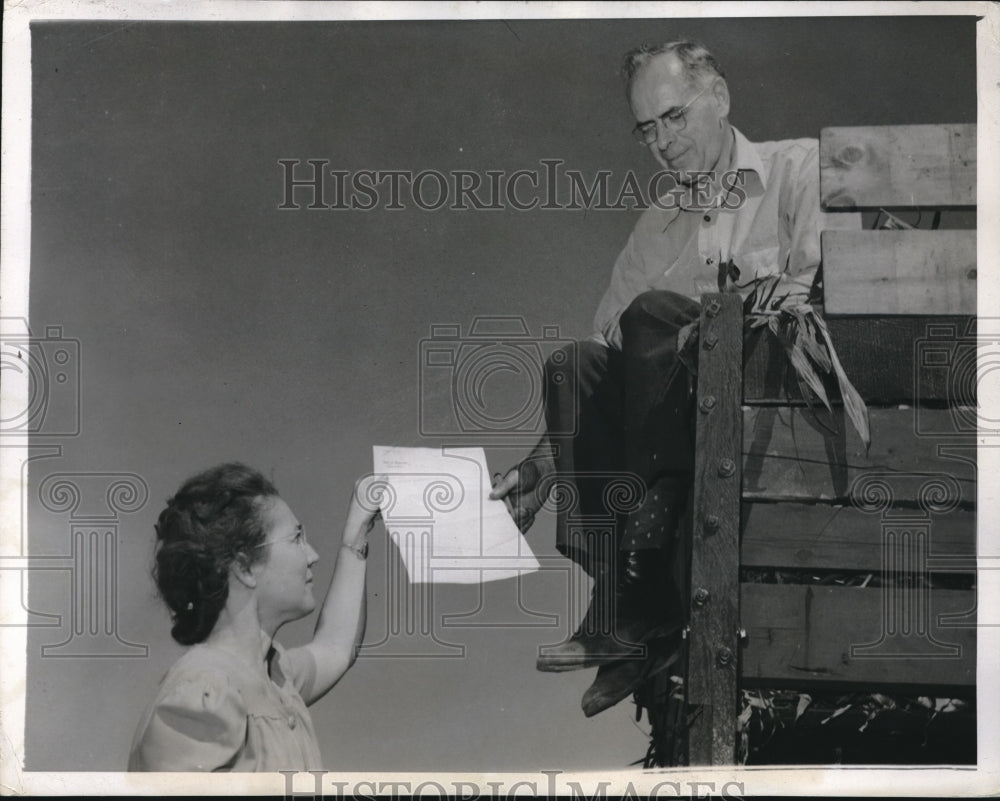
[(340, 628)]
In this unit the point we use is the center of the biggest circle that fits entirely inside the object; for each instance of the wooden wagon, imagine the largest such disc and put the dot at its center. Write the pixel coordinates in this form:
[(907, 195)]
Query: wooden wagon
[(818, 565)]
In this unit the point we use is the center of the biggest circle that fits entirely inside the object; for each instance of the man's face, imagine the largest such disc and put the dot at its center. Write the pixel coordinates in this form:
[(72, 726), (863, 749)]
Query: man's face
[(661, 87)]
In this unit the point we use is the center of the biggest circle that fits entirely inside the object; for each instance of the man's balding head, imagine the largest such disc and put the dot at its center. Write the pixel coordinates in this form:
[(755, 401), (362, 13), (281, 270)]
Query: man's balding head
[(698, 63)]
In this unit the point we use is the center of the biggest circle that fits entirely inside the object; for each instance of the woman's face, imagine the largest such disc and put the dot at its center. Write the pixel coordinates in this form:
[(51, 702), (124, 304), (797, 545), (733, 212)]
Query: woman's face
[(284, 578)]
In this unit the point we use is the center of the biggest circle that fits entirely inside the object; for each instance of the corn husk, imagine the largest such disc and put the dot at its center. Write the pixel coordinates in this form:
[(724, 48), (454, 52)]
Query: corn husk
[(806, 340)]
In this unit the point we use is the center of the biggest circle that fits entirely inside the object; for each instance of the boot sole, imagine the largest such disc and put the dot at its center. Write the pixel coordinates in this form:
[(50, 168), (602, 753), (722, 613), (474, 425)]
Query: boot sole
[(593, 703), (636, 652), (556, 665)]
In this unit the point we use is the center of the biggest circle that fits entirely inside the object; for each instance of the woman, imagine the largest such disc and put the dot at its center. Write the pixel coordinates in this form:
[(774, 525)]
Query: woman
[(233, 565)]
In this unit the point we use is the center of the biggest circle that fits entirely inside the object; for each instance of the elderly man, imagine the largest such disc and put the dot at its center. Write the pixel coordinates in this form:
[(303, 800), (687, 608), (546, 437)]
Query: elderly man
[(735, 210)]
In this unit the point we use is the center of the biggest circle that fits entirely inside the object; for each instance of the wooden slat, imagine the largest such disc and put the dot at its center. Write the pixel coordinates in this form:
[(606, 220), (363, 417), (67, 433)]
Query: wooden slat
[(713, 645), (898, 166), (802, 636), (899, 272), (885, 358), (821, 536), (798, 454)]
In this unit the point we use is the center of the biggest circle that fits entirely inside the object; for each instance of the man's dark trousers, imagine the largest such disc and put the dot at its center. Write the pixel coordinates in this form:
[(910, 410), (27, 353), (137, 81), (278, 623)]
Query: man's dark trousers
[(631, 414)]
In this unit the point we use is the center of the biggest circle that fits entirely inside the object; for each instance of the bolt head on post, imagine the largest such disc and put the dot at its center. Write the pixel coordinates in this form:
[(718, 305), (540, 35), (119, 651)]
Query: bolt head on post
[(727, 467)]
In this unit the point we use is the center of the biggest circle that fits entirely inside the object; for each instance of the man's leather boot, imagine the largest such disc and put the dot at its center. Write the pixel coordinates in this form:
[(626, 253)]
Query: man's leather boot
[(629, 604), (617, 680)]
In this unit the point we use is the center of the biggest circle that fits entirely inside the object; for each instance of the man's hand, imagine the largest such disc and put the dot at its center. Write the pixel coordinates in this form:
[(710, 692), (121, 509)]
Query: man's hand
[(519, 489)]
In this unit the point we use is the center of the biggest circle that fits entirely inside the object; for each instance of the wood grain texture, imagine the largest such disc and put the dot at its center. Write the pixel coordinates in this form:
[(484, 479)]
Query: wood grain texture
[(898, 166), (899, 272), (798, 454), (888, 359), (839, 637), (827, 537), (713, 645)]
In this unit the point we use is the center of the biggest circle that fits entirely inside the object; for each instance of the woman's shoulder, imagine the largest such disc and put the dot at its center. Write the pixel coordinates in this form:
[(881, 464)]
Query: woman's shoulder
[(198, 720), (203, 658), (204, 667)]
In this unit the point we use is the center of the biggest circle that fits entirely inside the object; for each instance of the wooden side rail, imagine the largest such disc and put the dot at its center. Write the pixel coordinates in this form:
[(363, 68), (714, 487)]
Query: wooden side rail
[(791, 497), (808, 637), (898, 166), (814, 499), (807, 536), (900, 272)]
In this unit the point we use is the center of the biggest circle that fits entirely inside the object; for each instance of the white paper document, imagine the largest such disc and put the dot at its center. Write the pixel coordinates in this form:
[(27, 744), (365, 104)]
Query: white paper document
[(438, 512)]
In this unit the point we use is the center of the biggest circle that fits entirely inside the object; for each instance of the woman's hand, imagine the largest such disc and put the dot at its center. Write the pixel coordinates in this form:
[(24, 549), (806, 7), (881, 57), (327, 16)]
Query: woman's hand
[(340, 628), (364, 508)]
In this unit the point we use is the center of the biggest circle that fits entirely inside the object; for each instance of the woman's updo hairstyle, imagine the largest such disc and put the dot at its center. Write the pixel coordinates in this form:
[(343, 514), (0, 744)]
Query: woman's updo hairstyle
[(214, 518)]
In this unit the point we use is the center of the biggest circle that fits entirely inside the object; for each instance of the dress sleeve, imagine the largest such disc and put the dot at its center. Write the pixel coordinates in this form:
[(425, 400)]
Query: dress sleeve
[(198, 724)]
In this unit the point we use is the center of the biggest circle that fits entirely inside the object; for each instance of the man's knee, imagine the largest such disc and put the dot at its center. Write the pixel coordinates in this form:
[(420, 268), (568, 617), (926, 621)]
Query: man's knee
[(657, 308)]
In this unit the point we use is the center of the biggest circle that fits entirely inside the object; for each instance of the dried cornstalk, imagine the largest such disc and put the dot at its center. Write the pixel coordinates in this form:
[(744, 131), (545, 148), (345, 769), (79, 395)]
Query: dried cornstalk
[(803, 333)]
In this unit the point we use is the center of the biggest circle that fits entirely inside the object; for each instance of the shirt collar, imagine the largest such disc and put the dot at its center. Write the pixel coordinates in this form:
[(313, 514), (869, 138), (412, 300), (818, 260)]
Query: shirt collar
[(746, 159), (743, 159)]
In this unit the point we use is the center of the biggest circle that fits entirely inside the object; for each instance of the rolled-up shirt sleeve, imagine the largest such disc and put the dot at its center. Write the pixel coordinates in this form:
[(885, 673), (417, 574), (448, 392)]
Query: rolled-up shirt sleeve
[(627, 283), (803, 223)]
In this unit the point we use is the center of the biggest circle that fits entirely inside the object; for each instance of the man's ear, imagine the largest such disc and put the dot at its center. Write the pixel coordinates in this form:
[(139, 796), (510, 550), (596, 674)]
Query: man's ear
[(720, 93), (244, 571)]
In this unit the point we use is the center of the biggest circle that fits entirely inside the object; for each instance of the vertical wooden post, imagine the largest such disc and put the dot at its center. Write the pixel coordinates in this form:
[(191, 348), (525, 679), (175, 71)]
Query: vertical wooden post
[(714, 639)]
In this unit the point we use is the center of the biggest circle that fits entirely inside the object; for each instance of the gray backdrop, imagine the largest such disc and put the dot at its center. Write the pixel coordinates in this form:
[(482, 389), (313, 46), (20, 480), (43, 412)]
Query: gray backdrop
[(214, 326)]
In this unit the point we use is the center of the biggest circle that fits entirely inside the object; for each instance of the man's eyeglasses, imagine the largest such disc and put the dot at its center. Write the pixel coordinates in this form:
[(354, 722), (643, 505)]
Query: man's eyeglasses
[(299, 538), (674, 120)]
